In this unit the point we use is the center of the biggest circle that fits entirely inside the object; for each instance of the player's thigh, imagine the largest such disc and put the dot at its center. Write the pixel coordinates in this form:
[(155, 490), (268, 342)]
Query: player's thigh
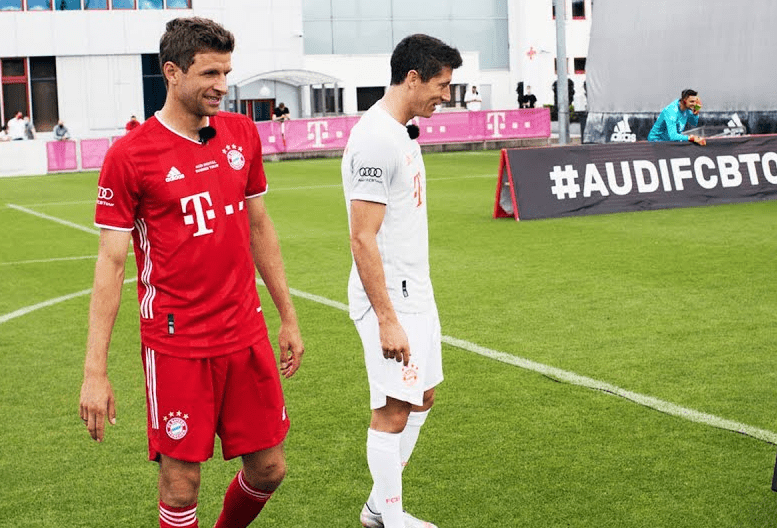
[(253, 413)]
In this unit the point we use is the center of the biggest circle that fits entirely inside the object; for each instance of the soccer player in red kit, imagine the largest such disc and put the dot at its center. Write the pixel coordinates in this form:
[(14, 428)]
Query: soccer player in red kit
[(187, 188)]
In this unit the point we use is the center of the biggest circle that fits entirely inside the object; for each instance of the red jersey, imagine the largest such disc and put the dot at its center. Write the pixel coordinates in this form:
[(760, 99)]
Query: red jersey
[(185, 203)]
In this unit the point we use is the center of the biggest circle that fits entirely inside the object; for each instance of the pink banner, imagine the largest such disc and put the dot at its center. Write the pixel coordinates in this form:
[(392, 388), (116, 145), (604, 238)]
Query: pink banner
[(301, 135), (61, 156), (93, 152)]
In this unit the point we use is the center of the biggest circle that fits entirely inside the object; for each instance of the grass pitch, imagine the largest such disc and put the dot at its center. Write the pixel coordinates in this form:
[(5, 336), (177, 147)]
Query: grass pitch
[(676, 304)]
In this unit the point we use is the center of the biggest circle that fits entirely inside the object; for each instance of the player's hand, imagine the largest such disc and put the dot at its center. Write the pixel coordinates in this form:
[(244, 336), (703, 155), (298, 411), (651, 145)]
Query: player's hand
[(393, 341), (697, 107), (291, 349), (698, 140), (97, 404)]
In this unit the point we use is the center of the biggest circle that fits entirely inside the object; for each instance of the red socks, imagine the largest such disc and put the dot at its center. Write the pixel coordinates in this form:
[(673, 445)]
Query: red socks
[(242, 503), (170, 517)]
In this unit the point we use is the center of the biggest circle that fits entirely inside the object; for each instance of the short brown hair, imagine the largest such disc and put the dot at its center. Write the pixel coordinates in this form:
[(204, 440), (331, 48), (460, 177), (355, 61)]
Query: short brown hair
[(186, 37), (424, 54)]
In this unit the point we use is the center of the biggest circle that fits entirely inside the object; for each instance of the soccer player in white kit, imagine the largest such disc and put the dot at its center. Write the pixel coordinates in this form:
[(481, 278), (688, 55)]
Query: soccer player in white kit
[(389, 290)]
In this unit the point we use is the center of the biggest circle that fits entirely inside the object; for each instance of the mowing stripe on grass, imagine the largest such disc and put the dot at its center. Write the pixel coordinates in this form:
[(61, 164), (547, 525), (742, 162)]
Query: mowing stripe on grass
[(546, 370)]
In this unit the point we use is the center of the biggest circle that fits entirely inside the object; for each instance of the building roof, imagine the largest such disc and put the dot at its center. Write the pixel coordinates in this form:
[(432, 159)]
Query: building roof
[(292, 77)]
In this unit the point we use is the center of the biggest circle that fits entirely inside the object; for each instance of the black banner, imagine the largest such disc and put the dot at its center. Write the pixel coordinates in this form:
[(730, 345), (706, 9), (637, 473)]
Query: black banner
[(610, 178)]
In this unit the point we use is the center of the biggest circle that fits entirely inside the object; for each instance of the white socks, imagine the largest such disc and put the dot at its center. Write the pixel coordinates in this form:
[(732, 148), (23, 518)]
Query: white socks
[(386, 469), (409, 436), (403, 443)]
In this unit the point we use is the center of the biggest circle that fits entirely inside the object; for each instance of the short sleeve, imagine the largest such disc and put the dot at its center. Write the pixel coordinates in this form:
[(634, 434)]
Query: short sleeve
[(118, 192), (256, 185), (373, 165)]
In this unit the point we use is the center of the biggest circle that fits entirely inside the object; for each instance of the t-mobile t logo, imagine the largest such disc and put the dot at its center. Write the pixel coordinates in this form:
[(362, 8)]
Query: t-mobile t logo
[(318, 131), (200, 213), (495, 122)]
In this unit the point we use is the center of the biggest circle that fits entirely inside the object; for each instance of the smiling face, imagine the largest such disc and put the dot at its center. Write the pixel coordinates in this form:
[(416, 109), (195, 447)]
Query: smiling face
[(200, 89), (427, 95)]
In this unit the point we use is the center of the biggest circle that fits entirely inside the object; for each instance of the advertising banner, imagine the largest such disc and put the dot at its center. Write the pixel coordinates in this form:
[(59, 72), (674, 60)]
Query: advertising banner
[(611, 178), (303, 135)]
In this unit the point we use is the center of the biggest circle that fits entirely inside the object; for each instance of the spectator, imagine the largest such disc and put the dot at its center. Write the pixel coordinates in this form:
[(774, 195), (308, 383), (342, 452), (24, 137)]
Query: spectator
[(29, 128), (132, 124), (4, 133), (61, 132), (473, 100), (672, 120), (529, 99), (16, 127), (281, 113)]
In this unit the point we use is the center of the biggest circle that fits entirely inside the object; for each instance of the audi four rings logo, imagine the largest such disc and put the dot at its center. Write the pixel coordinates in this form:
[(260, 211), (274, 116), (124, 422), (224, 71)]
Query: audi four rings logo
[(371, 171), (104, 193)]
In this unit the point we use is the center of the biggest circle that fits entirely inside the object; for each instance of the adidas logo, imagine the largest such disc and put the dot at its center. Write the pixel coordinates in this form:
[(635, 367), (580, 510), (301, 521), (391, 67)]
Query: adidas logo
[(622, 132), (735, 127), (173, 175)]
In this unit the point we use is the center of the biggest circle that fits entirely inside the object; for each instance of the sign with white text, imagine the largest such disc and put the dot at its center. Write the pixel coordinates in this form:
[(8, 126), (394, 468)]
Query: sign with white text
[(611, 178)]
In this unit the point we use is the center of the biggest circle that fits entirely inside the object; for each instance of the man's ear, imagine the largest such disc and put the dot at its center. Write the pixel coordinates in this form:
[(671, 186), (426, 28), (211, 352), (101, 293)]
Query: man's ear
[(412, 78), (171, 70)]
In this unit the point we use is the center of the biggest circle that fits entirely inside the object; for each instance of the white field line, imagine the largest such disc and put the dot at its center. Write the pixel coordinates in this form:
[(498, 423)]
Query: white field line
[(90, 230), (271, 189), (545, 370), (583, 381), (51, 302), (48, 261)]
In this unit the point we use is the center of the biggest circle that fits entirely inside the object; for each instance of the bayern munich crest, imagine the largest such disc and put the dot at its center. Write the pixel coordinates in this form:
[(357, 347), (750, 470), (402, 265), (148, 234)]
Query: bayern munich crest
[(410, 375), (176, 426), (235, 156)]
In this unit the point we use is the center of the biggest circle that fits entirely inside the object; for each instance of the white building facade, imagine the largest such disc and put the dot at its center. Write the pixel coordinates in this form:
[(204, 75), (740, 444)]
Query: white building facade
[(93, 63)]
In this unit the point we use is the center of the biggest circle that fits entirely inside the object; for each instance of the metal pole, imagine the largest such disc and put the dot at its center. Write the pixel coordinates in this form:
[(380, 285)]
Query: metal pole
[(561, 66)]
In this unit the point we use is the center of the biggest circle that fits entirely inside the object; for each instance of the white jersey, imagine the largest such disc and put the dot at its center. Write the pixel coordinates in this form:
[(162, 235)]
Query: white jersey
[(382, 164)]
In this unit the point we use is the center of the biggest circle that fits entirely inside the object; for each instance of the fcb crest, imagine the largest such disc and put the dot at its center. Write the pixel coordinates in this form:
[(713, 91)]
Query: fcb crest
[(235, 156), (176, 426)]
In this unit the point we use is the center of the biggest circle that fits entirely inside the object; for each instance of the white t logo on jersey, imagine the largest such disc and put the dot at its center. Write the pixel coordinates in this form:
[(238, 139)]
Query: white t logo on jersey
[(199, 212)]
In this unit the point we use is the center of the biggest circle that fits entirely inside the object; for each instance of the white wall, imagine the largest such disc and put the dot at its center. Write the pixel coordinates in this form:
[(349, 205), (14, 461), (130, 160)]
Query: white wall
[(98, 94), (533, 27), (357, 71)]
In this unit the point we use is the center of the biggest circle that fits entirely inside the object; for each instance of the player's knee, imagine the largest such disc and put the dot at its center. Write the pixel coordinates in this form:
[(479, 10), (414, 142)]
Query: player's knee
[(179, 490), (428, 399), (266, 474)]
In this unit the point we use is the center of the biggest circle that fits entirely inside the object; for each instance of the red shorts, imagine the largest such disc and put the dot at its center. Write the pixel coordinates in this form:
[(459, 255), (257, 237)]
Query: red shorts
[(237, 396)]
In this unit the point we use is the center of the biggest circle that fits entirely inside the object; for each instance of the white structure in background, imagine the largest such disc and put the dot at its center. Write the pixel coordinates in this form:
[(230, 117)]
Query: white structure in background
[(94, 63)]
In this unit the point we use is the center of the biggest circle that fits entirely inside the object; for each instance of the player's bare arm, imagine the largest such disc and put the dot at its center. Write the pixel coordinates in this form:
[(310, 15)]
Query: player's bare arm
[(266, 252), (366, 219), (97, 400)]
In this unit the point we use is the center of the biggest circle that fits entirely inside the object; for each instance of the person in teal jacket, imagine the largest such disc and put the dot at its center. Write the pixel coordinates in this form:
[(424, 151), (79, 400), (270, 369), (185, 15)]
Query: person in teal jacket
[(673, 119)]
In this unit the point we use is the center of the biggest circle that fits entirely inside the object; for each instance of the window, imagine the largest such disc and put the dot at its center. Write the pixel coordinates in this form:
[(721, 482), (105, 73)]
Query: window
[(38, 5), (579, 64), (257, 109), (329, 101), (578, 9), (10, 5), (95, 4), (150, 4), (555, 66), (43, 82), (14, 79), (154, 91), (178, 4), (123, 4), (368, 96), (67, 5), (458, 91)]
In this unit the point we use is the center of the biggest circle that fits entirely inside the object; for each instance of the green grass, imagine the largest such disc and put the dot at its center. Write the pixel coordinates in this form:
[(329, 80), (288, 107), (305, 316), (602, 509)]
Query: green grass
[(676, 304)]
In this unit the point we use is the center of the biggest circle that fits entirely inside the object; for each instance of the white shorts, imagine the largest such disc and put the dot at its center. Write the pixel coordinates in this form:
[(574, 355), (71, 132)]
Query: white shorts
[(388, 377)]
